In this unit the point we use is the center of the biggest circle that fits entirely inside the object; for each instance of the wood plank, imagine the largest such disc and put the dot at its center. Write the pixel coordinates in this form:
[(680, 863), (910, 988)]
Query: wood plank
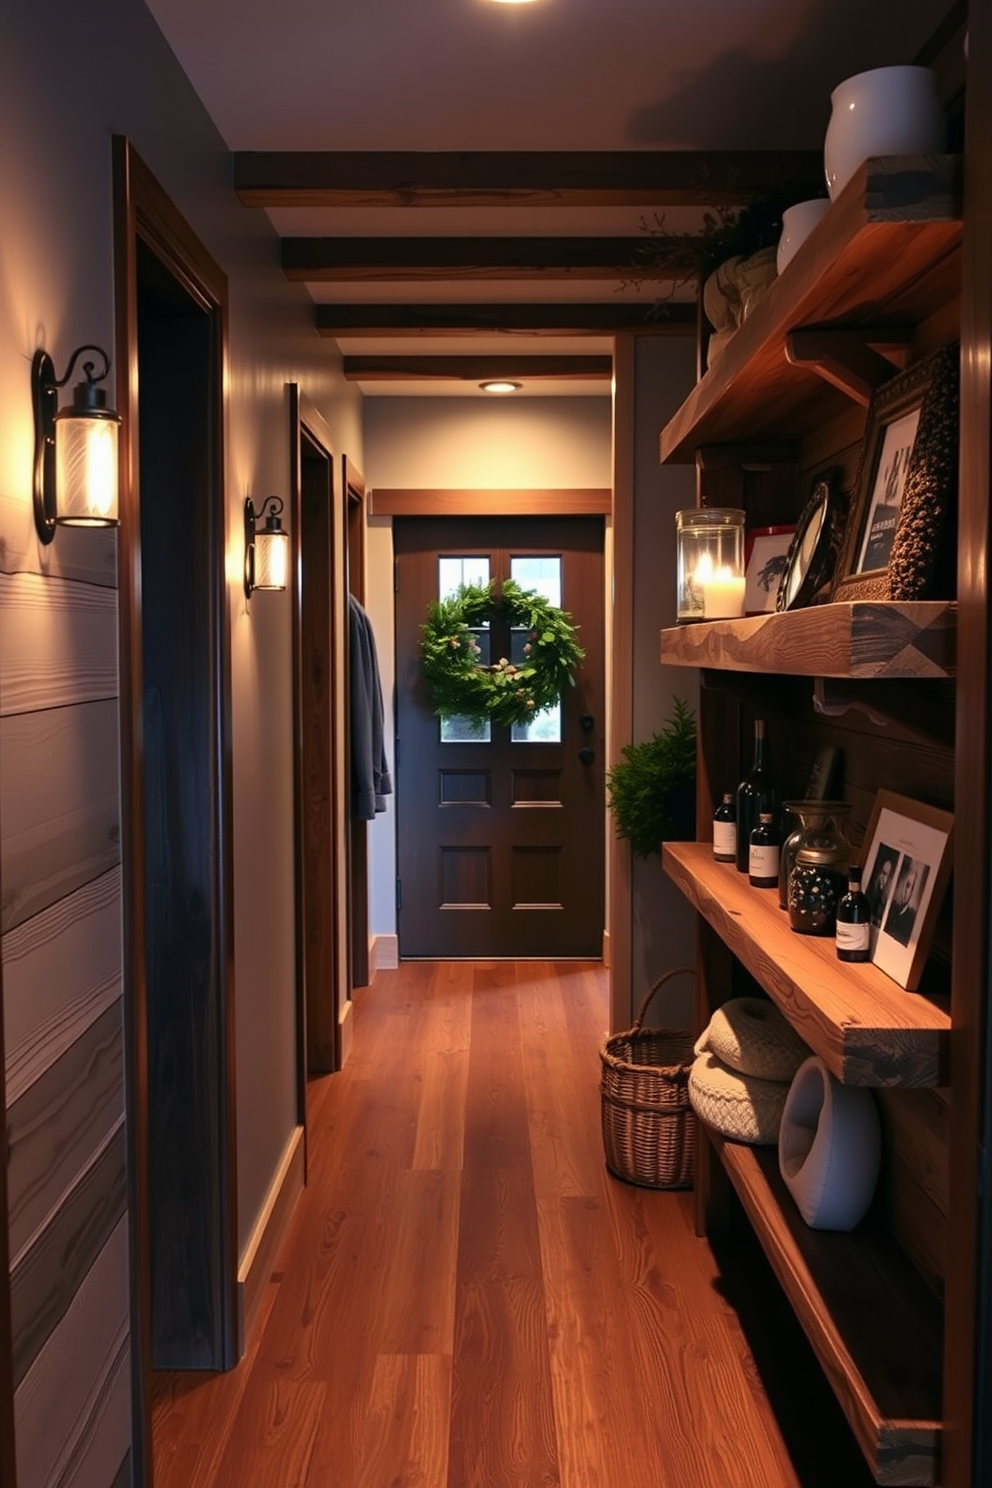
[(56, 838), (872, 1322), (50, 1273), (424, 260), (73, 1404), (854, 639), (88, 554), (410, 178), (62, 971), (885, 253), (389, 501), (476, 368), (863, 1025), (596, 318), (60, 643), (60, 1121)]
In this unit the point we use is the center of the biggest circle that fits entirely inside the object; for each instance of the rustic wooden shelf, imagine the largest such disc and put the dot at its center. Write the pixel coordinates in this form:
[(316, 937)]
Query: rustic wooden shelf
[(866, 1029), (872, 1321), (860, 638), (884, 255)]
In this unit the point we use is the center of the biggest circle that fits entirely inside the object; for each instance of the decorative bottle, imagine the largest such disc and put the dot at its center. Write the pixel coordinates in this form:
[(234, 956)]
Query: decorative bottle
[(756, 793), (818, 875), (853, 920), (766, 842), (725, 830)]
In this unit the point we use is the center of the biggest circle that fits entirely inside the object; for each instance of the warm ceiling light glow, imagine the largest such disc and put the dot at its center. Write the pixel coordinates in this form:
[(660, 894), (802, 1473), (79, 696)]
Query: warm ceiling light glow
[(501, 387), (513, 2)]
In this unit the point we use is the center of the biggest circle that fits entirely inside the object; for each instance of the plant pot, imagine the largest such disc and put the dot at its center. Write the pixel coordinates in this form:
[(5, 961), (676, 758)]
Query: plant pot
[(887, 111)]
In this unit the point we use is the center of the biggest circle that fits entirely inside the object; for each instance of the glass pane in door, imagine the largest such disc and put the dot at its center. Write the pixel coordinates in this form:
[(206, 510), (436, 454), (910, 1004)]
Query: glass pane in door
[(543, 575)]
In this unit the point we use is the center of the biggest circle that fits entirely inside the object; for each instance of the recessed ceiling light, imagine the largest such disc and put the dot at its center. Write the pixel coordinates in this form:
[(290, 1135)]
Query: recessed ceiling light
[(501, 386), (513, 2)]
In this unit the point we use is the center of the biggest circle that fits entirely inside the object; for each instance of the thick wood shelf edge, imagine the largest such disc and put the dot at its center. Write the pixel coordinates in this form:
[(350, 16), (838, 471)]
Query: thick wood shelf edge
[(896, 216), (899, 1450), (873, 639), (865, 1028)]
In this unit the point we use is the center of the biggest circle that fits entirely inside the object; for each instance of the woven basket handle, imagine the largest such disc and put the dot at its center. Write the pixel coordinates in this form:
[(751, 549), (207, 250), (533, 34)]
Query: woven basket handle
[(678, 971)]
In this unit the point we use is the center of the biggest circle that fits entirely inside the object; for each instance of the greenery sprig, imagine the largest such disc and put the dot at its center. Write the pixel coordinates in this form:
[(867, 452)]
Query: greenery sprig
[(649, 784), (460, 686)]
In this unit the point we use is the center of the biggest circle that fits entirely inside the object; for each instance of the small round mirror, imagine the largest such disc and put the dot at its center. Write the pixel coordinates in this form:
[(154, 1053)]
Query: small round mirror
[(807, 565)]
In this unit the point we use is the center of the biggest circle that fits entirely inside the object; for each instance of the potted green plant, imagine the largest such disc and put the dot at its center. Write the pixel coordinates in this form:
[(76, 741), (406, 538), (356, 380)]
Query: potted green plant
[(652, 786)]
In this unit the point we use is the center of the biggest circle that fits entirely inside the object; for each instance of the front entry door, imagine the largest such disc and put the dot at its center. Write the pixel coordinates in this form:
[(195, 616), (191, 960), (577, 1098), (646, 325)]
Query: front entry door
[(501, 836)]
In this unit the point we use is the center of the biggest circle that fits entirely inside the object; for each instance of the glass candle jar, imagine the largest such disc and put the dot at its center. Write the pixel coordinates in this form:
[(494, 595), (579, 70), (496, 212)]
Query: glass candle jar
[(710, 563)]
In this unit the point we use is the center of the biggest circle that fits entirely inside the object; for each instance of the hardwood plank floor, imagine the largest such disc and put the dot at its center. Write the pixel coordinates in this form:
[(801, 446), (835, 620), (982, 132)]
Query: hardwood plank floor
[(467, 1299)]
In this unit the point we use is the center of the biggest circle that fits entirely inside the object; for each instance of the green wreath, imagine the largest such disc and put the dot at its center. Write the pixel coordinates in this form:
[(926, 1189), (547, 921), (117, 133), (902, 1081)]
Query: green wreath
[(460, 686)]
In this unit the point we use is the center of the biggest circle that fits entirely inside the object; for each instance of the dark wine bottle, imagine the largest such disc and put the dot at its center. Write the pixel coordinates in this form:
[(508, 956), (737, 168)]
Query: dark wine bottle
[(756, 793), (853, 920), (725, 830), (763, 856)]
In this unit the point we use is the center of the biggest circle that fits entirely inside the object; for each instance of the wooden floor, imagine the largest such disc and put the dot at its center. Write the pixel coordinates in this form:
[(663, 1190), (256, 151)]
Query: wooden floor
[(467, 1299)]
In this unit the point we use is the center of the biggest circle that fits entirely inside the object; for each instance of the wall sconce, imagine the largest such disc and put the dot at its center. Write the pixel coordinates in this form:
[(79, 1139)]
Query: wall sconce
[(266, 551), (75, 448)]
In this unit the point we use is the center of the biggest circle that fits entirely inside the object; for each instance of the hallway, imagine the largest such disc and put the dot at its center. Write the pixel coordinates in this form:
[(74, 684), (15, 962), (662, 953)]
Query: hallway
[(467, 1299)]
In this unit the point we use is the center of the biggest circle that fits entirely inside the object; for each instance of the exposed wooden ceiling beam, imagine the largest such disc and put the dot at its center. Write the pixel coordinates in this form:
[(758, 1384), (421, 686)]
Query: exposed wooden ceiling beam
[(476, 368), (599, 319), (425, 260), (650, 178)]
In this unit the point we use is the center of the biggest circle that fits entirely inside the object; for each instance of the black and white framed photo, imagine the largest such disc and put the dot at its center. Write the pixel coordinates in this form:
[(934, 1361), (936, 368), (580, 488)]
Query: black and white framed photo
[(903, 504), (907, 862), (765, 552)]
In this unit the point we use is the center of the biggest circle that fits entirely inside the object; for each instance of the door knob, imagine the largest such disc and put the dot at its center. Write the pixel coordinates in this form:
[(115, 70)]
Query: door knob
[(587, 755), (587, 723)]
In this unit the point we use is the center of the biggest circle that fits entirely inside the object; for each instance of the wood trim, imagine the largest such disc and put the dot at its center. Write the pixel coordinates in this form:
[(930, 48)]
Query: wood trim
[(143, 212), (261, 1252), (476, 368), (410, 178), (600, 318), (389, 501), (8, 1460), (619, 882), (425, 260), (967, 1342), (353, 487)]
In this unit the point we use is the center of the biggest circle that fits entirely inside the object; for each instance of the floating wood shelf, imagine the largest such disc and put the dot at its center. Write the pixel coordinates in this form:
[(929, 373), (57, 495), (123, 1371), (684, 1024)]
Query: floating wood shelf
[(865, 1028), (873, 1323), (884, 255), (855, 639)]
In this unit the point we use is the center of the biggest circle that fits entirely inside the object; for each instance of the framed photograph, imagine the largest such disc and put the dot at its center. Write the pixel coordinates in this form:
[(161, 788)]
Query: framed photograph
[(907, 862), (904, 495), (765, 552), (816, 543)]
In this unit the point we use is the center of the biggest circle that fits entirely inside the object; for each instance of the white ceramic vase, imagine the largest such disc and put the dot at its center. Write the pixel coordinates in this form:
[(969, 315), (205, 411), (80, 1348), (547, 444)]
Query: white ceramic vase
[(888, 111), (797, 224), (829, 1147)]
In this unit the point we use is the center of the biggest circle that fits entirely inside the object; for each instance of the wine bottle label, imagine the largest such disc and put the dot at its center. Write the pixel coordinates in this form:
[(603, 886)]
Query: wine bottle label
[(853, 937), (763, 862), (724, 840)]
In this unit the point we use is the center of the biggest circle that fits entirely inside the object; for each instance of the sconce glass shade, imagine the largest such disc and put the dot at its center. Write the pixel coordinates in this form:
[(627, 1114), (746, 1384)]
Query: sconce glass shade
[(271, 556), (75, 459), (86, 466), (710, 563), (266, 548)]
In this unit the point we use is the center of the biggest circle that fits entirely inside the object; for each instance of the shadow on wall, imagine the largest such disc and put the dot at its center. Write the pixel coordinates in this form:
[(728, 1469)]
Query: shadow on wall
[(776, 97)]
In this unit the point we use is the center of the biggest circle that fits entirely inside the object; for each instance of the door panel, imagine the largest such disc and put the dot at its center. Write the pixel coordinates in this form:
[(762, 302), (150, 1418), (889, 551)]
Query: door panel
[(501, 839)]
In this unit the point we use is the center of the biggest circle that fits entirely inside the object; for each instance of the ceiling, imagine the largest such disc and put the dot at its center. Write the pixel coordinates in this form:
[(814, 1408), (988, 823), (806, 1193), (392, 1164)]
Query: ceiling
[(458, 181)]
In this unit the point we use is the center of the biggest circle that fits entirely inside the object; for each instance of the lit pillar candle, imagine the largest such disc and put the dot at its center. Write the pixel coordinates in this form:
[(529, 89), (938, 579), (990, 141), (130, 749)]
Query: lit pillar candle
[(723, 594)]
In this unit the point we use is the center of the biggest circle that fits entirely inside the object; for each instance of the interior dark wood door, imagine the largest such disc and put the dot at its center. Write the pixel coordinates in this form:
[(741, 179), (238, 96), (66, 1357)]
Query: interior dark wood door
[(501, 842)]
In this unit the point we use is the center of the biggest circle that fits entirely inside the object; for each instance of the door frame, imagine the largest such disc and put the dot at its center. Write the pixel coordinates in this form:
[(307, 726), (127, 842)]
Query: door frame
[(325, 1028), (144, 214)]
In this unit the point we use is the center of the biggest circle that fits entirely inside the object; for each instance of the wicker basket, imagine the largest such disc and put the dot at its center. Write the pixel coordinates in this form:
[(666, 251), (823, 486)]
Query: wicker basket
[(649, 1128)]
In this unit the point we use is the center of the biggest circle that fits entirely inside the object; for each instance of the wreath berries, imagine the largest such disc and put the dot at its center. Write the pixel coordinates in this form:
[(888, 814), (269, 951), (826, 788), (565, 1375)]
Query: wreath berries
[(459, 685)]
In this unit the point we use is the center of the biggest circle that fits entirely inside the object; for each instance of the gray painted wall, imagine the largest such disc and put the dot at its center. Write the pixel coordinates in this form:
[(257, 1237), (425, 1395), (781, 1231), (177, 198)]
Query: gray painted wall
[(70, 78)]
